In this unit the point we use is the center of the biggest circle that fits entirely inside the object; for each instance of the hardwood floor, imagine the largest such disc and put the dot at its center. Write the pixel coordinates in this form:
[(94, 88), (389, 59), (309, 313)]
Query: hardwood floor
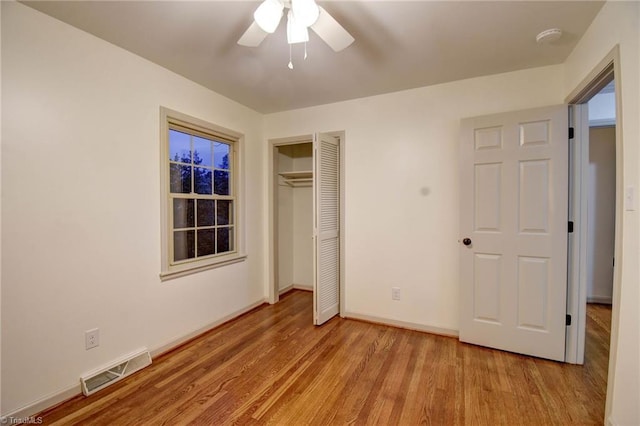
[(272, 366)]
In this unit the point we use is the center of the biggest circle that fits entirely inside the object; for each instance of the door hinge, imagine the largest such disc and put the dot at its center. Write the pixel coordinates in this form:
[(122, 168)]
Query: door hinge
[(568, 320), (571, 132), (570, 227)]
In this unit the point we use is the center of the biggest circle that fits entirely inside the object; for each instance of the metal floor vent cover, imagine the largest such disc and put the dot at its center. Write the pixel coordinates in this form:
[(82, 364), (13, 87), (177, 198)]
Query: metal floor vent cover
[(117, 370)]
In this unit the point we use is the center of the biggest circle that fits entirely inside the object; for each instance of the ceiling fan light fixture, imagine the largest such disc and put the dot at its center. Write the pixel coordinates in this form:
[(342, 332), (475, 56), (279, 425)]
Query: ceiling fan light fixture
[(306, 12), (296, 32), (268, 15)]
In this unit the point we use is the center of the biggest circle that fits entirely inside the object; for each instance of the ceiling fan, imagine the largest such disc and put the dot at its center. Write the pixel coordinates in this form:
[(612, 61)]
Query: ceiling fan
[(301, 15)]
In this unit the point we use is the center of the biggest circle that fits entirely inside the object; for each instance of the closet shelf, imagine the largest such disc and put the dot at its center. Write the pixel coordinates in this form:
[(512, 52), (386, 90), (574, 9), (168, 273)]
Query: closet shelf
[(297, 177)]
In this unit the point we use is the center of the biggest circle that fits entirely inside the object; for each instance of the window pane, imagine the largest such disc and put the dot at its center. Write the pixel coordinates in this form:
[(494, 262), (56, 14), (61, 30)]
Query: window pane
[(225, 239), (206, 242), (179, 146), (221, 155), (206, 212), (183, 213), (180, 179), (184, 245), (225, 212), (202, 151), (202, 180), (222, 182)]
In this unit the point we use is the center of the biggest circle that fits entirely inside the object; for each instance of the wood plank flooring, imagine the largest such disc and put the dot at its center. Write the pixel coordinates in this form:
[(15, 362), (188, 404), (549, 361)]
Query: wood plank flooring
[(272, 366)]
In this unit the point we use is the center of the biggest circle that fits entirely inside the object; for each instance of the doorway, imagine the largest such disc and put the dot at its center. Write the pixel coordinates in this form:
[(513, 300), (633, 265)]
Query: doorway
[(601, 212), (601, 200), (293, 164), (595, 180), (306, 205)]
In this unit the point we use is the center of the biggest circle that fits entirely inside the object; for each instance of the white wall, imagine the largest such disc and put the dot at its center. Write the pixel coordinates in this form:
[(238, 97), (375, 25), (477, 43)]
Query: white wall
[(602, 109), (601, 213), (303, 220), (81, 207), (285, 220), (618, 23), (401, 159)]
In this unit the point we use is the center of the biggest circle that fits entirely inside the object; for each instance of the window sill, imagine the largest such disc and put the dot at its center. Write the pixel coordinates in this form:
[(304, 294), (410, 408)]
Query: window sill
[(184, 270)]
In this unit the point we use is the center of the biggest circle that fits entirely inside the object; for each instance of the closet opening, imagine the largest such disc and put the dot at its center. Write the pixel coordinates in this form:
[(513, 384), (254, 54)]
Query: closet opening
[(306, 206), (294, 216)]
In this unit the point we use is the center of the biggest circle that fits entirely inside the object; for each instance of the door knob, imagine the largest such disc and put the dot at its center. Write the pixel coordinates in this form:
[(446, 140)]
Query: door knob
[(466, 241)]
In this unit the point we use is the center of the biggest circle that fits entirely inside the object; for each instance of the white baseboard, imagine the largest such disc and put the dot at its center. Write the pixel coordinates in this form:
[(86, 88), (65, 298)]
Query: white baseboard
[(63, 395), (403, 324), (44, 403), (295, 287), (174, 343), (285, 290), (303, 287), (605, 300)]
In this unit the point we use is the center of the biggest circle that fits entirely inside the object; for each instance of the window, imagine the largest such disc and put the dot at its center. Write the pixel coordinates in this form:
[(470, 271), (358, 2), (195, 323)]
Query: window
[(199, 181)]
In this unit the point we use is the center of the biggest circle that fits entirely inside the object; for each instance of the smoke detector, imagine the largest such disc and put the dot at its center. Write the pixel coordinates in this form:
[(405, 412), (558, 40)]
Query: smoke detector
[(549, 36)]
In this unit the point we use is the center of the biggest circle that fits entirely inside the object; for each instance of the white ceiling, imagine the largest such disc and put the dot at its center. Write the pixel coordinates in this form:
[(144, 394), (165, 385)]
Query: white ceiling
[(399, 44)]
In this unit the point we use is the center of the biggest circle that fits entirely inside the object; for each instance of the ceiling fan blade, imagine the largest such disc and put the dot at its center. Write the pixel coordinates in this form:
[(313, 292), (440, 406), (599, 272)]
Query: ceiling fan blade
[(331, 31), (253, 36)]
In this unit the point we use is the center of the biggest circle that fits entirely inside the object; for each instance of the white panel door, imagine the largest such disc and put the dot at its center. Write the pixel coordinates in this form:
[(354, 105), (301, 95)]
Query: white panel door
[(513, 222), (326, 188)]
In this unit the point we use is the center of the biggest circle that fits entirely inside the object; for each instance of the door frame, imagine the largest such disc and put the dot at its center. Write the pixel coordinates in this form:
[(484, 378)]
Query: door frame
[(273, 295), (577, 278), (577, 283)]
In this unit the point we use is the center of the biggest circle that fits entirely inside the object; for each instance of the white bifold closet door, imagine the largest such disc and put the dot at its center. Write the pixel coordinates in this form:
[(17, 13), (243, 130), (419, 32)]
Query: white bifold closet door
[(326, 207)]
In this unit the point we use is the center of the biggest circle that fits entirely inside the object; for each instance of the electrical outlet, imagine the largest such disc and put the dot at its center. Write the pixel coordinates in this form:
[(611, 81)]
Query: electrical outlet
[(91, 338), (395, 293)]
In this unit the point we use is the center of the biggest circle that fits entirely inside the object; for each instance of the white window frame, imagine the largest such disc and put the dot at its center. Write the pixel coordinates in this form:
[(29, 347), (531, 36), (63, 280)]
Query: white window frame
[(236, 141)]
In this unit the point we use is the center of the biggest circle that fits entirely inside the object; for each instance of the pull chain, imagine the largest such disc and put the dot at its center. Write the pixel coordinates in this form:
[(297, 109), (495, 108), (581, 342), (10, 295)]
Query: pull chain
[(290, 64)]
